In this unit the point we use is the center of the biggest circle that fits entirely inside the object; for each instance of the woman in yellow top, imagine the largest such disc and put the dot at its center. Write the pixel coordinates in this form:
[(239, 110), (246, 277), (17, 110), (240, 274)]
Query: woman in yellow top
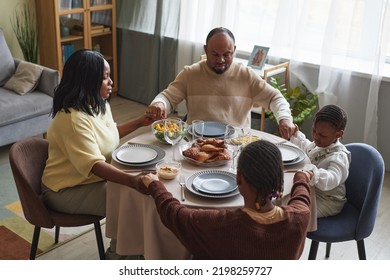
[(82, 137)]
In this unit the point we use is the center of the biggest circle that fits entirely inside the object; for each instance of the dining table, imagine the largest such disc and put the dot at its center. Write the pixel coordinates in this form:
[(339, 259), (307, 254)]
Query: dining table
[(132, 218)]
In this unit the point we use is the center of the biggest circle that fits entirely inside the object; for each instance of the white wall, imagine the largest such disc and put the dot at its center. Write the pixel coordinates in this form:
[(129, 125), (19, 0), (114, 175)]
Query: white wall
[(7, 9), (384, 122)]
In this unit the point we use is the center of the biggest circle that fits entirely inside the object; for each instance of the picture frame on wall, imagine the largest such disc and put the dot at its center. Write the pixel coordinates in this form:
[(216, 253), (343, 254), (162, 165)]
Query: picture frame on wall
[(258, 57)]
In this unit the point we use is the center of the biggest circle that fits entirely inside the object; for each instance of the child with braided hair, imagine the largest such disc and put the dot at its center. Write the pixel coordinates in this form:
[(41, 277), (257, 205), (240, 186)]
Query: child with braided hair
[(260, 230), (330, 158)]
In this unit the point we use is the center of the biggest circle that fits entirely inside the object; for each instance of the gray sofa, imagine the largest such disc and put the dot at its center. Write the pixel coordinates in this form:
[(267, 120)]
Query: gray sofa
[(23, 115)]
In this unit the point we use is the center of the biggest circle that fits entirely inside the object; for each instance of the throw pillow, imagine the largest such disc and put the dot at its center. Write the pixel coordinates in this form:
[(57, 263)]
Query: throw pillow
[(7, 64), (25, 79)]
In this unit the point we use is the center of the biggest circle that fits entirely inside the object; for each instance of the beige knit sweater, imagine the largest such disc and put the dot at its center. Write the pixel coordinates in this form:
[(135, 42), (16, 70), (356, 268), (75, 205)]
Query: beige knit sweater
[(226, 97)]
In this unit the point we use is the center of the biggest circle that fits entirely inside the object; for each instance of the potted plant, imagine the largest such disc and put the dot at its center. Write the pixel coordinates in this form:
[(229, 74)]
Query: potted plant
[(302, 102), (26, 31)]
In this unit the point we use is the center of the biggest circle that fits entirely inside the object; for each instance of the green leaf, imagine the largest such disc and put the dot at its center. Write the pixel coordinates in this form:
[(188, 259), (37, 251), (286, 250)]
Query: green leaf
[(26, 32), (302, 102)]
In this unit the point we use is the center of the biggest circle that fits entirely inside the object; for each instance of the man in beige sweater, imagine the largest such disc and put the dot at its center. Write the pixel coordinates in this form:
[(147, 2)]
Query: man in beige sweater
[(217, 89)]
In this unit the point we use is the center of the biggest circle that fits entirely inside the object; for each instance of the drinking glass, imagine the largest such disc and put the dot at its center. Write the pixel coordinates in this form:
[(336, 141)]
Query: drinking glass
[(247, 139), (197, 129), (234, 140), (173, 132)]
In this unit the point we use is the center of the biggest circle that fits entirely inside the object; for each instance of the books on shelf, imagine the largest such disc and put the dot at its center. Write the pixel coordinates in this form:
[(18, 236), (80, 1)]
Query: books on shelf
[(99, 2), (68, 4), (94, 26), (67, 51), (93, 31), (78, 29)]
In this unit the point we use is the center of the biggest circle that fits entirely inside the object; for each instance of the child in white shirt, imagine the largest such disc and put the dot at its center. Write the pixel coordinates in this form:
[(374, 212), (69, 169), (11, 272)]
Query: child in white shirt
[(330, 158)]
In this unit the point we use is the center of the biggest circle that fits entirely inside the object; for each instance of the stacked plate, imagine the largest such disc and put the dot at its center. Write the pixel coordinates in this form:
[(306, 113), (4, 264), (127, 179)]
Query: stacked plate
[(138, 154), (291, 154), (213, 184), (211, 129)]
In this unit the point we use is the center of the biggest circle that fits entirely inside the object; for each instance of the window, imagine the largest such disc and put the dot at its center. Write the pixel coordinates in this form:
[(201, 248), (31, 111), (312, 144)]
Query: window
[(348, 32)]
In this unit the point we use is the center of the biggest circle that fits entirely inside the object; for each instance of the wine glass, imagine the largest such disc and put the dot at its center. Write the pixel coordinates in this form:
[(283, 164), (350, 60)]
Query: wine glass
[(247, 136), (173, 132), (197, 129), (234, 140)]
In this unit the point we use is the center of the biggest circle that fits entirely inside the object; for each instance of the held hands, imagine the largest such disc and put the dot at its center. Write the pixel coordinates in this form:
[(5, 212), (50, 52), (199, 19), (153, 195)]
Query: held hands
[(145, 120), (156, 111), (141, 184), (149, 178), (307, 175), (287, 128)]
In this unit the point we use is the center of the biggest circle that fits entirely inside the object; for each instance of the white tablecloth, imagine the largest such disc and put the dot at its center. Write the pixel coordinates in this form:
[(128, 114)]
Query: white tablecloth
[(132, 218)]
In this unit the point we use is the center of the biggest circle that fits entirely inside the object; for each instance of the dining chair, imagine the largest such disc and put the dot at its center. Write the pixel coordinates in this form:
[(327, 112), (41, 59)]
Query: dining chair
[(268, 72), (357, 219), (28, 159)]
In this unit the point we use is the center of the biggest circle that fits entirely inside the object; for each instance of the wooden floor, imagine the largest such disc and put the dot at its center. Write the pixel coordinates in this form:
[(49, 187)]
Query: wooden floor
[(85, 248)]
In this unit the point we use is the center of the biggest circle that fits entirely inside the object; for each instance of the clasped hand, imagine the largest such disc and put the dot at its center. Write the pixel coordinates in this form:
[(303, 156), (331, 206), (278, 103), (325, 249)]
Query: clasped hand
[(156, 111), (287, 128)]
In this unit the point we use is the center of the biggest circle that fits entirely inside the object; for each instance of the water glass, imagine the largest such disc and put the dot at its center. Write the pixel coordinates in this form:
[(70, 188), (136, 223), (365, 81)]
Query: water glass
[(173, 132), (234, 140), (247, 139), (197, 129)]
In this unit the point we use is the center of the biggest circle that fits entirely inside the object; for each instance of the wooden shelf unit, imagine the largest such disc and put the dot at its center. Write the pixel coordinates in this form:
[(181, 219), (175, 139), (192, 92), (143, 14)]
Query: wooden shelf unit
[(57, 20)]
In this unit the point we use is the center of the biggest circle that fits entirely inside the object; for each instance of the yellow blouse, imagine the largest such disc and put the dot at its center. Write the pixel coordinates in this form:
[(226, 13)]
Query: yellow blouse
[(76, 142)]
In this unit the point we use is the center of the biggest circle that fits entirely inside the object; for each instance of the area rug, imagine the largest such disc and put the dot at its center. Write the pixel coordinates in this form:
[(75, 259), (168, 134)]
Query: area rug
[(16, 232), (13, 247)]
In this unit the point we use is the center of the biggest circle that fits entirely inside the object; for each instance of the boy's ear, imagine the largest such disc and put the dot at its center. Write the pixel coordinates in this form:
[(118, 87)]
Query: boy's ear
[(340, 133)]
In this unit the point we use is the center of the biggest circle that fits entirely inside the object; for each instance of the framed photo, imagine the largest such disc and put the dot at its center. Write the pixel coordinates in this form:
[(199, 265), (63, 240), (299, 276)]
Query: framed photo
[(258, 57)]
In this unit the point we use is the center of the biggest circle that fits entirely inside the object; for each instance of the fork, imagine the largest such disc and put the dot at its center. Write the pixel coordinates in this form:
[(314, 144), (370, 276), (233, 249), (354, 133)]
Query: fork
[(182, 183)]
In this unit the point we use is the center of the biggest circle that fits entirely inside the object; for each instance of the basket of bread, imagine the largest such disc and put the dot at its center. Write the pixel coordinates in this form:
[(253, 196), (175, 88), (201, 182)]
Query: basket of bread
[(206, 152)]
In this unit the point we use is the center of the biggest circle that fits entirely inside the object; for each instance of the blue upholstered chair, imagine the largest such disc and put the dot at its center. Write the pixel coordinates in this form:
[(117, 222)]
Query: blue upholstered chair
[(356, 220)]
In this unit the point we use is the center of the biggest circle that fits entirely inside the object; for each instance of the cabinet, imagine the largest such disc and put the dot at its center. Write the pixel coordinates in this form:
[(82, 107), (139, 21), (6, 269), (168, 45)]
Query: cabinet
[(69, 25)]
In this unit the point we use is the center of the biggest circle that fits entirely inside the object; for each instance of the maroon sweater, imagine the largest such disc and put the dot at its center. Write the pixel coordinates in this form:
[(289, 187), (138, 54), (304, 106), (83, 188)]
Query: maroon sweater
[(232, 234)]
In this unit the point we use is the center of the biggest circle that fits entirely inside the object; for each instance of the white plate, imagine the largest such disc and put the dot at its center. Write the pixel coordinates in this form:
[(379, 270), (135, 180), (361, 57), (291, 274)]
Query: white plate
[(288, 154), (212, 129), (212, 183), (291, 154), (136, 154), (217, 174), (198, 163), (123, 149)]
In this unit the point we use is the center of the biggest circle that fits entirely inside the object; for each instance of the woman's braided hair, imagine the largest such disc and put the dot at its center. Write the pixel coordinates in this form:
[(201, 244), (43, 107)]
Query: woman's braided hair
[(333, 114), (260, 163)]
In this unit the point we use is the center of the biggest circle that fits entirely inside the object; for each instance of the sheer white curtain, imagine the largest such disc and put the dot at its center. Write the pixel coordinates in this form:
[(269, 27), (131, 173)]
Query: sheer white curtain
[(197, 18), (338, 40), (350, 38)]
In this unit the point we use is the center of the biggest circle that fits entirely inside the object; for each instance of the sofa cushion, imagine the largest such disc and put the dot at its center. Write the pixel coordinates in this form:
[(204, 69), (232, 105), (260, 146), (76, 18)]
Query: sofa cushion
[(25, 79), (7, 64), (15, 108)]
